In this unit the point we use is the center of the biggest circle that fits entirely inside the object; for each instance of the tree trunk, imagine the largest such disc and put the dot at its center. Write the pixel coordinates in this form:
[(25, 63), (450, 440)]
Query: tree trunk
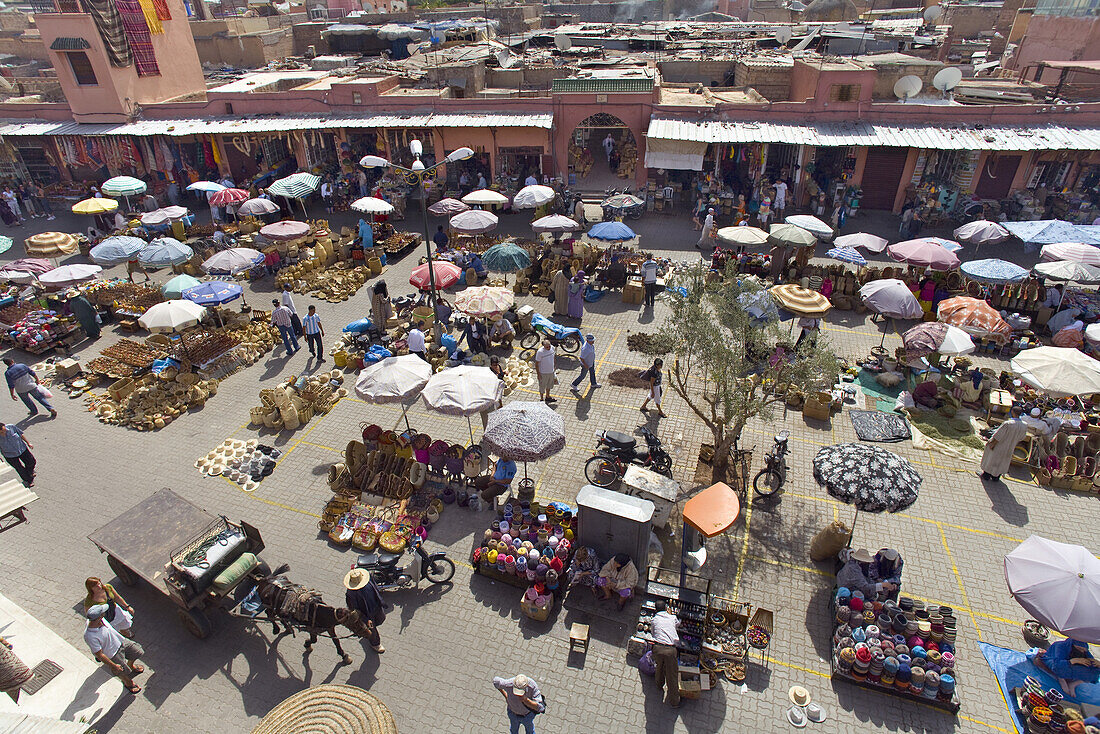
[(720, 467)]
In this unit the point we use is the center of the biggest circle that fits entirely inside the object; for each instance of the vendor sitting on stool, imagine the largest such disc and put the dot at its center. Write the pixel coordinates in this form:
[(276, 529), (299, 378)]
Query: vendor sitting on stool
[(493, 486), (860, 572), (1070, 662), (925, 394), (619, 576)]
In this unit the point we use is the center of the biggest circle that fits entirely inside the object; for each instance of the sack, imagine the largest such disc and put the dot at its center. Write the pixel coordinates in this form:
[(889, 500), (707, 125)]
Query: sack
[(829, 541), (44, 393), (647, 664)]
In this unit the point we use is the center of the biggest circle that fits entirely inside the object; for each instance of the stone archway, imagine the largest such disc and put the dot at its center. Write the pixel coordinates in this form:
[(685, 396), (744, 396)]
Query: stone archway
[(587, 156)]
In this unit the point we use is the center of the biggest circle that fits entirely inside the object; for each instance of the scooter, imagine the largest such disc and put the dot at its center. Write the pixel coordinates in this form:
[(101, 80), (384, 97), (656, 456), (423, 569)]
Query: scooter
[(616, 451), (769, 479), (385, 572)]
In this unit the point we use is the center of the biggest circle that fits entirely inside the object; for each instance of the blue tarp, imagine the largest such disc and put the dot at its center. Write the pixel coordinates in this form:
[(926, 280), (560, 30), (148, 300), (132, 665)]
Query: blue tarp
[(358, 327), (546, 326), (1050, 231)]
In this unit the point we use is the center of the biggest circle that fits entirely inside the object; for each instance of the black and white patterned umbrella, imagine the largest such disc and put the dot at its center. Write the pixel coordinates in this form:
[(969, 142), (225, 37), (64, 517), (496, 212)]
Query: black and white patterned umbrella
[(523, 431), (868, 477)]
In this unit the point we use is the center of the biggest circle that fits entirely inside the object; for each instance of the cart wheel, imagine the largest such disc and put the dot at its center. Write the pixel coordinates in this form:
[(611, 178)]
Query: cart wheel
[(122, 571), (196, 622)]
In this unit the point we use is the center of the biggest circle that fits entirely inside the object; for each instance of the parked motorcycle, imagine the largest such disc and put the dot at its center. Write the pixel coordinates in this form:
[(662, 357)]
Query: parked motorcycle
[(385, 572), (769, 479), (566, 337), (616, 451)]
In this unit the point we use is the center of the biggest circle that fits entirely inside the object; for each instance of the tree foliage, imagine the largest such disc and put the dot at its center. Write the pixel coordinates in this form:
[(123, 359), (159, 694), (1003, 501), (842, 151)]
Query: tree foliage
[(719, 357)]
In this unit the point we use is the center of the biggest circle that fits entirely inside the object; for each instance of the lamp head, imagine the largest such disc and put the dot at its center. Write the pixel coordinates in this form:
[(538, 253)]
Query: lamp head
[(418, 165), (460, 154), (373, 161), (416, 148)]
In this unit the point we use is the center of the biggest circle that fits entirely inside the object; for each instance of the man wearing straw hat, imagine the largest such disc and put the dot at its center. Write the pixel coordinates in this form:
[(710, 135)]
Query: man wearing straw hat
[(524, 699), (363, 596)]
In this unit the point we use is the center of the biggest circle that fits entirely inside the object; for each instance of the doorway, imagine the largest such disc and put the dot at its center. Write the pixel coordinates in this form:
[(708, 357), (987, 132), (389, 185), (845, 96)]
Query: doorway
[(995, 180), (602, 153)]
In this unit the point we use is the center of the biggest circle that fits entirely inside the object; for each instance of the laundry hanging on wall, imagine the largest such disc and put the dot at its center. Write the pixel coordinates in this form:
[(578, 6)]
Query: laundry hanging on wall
[(162, 9), (151, 18), (109, 24), (137, 33)]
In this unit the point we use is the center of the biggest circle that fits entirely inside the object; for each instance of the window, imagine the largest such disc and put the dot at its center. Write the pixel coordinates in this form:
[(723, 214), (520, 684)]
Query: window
[(843, 92), (82, 68), (356, 98)]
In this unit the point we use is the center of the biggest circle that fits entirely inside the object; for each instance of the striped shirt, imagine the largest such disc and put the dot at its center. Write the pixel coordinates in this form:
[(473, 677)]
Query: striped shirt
[(281, 317), (311, 324)]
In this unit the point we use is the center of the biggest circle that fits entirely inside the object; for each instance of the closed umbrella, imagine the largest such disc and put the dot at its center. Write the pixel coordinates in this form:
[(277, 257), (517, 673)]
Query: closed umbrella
[(1058, 371), (532, 197), (372, 205), (993, 271), (790, 235), (176, 286), (172, 316), (1058, 584), (869, 242), (124, 186), (68, 275), (483, 300), (484, 197), (117, 250), (257, 207), (1068, 271), (611, 232), (394, 380), (232, 261), (463, 390), (924, 339), (555, 223), (742, 236), (811, 224), (446, 275), (847, 255), (447, 207), (50, 244), (506, 257), (95, 206), (1074, 251), (801, 301), (164, 252), (924, 253), (981, 232), (524, 431), (213, 293), (225, 197), (869, 478), (205, 186), (285, 230), (475, 221), (975, 317)]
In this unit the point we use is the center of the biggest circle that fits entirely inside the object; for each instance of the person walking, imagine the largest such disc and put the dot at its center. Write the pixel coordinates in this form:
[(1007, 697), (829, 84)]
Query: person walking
[(525, 701), (16, 450), (997, 456), (544, 366), (576, 296), (363, 596), (415, 340), (649, 281), (314, 331), (112, 649), (120, 615), (287, 298), (44, 202), (608, 147), (780, 198), (281, 320), (22, 380), (708, 226), (654, 375), (664, 628), (587, 359)]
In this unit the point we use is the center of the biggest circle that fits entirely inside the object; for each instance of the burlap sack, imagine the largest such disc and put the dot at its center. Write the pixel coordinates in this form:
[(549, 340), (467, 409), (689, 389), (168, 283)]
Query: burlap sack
[(829, 540)]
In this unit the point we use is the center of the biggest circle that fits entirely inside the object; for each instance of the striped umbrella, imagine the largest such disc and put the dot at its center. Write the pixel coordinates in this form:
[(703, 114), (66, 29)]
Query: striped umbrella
[(50, 244), (1075, 251), (124, 186), (993, 271), (483, 300), (975, 317), (446, 275), (117, 250), (213, 293), (742, 236), (295, 186), (232, 261), (447, 208), (801, 301), (847, 255), (474, 221), (95, 206), (257, 207), (285, 230), (225, 197), (164, 252)]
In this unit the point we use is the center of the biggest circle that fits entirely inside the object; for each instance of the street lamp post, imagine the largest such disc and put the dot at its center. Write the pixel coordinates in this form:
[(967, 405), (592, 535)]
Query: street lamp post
[(415, 176)]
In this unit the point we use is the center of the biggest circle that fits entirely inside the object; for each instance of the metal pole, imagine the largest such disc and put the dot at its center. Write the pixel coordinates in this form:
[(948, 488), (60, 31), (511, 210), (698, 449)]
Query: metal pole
[(438, 330)]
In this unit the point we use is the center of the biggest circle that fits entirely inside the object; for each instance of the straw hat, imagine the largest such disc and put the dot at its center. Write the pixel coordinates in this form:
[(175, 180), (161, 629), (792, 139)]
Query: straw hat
[(329, 707), (356, 578), (799, 695)]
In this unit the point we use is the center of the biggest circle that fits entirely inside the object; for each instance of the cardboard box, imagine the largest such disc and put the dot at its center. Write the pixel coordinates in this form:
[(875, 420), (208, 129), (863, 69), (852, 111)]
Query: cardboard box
[(539, 613), (67, 368), (814, 408), (633, 292)]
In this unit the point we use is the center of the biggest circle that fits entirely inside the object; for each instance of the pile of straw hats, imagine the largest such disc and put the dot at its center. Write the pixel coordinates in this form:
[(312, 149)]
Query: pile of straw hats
[(155, 402)]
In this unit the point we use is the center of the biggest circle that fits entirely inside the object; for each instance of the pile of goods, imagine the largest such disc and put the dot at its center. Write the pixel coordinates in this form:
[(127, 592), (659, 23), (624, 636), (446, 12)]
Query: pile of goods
[(37, 329), (14, 313), (725, 644), (333, 284), (529, 542), (517, 373), (399, 242), (202, 230), (628, 159), (123, 295), (151, 402), (109, 367), (245, 462), (134, 353), (202, 346), (295, 402)]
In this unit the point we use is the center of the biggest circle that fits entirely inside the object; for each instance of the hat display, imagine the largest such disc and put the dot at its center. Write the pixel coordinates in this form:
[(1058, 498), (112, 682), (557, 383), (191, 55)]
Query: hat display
[(816, 713), (797, 717), (799, 695)]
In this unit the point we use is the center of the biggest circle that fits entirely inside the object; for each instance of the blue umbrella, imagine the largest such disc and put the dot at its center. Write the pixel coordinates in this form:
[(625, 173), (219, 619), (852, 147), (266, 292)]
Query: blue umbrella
[(117, 250), (163, 252), (847, 255), (611, 231), (994, 271), (506, 258), (213, 293)]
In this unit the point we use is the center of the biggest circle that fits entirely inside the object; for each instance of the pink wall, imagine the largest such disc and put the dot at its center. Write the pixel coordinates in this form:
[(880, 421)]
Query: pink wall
[(1056, 38), (571, 110), (812, 84)]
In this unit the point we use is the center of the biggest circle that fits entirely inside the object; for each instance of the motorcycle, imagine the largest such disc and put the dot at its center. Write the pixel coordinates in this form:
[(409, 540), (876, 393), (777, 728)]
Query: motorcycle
[(385, 572), (566, 337), (616, 451), (769, 479)]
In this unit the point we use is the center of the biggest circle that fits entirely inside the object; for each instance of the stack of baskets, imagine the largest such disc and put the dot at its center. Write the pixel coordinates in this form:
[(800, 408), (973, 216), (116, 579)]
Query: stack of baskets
[(296, 402)]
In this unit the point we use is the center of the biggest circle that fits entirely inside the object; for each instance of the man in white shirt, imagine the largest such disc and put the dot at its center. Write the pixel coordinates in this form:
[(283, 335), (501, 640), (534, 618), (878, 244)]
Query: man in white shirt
[(708, 225), (281, 319), (663, 627), (544, 366), (531, 180), (780, 198), (502, 332), (416, 341), (326, 195), (112, 649), (587, 358), (288, 301), (649, 280), (608, 146), (481, 183)]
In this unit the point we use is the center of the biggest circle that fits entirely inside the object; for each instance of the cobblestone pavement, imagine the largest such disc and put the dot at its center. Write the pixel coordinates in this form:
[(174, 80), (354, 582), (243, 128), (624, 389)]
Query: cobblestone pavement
[(444, 644)]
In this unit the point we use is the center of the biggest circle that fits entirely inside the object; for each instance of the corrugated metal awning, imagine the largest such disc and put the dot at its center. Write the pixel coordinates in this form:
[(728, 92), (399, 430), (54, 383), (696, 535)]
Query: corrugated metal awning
[(69, 43), (960, 137)]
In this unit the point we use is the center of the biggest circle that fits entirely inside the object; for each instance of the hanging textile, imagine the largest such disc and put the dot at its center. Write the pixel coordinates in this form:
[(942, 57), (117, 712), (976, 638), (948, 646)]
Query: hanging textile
[(137, 34), (208, 155), (217, 155), (109, 24), (151, 18), (162, 10)]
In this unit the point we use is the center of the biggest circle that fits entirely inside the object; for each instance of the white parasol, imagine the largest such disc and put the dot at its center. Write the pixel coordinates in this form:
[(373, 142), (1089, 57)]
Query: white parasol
[(1058, 584)]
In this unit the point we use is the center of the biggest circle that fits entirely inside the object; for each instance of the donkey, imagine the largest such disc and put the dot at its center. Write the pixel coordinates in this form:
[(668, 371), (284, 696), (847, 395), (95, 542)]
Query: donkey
[(299, 608)]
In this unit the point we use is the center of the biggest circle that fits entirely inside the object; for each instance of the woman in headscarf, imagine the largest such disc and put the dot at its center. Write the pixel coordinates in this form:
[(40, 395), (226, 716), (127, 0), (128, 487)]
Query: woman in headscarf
[(576, 296), (380, 306), (559, 284)]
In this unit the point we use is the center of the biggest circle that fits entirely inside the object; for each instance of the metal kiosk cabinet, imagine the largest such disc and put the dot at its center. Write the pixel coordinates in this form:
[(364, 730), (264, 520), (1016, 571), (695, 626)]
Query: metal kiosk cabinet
[(612, 522), (657, 488)]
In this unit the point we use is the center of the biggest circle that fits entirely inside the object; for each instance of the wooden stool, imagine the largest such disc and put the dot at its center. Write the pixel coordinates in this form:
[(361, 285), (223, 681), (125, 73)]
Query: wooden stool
[(578, 637)]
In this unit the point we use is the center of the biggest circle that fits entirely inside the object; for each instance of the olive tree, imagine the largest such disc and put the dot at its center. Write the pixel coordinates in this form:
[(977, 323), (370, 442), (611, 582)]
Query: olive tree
[(721, 359)]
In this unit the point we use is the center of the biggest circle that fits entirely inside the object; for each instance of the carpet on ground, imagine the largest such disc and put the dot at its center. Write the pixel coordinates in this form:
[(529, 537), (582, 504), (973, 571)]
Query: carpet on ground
[(878, 396), (880, 426)]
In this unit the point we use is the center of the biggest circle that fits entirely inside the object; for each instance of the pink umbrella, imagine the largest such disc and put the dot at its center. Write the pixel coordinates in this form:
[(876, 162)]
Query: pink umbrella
[(288, 230), (1073, 251), (446, 274), (225, 197), (31, 265), (925, 253)]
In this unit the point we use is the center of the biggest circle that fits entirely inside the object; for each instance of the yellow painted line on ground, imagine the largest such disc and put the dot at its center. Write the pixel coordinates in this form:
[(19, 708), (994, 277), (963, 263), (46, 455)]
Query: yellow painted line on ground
[(744, 549), (786, 564), (606, 352), (959, 580), (321, 446)]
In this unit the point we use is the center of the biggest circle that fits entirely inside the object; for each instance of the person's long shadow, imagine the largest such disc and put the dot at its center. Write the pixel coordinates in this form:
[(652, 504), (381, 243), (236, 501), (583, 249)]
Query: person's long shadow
[(1005, 504)]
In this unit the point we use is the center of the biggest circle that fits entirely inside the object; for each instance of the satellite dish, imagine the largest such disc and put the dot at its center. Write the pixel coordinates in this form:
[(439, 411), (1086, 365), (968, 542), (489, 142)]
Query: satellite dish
[(563, 42), (947, 78), (783, 34), (907, 87), (504, 58), (932, 13)]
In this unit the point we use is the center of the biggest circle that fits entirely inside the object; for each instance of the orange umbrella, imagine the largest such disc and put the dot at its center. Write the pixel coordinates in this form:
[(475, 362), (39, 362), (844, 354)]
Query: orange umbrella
[(713, 511), (975, 317)]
